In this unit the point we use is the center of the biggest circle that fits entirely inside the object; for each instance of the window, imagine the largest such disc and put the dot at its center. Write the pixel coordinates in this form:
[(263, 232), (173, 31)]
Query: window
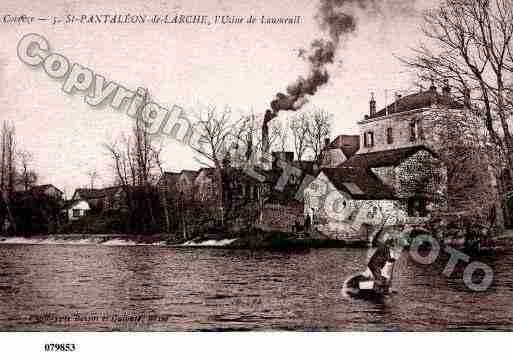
[(416, 132), (390, 135), (413, 131), (76, 212), (368, 139), (419, 130)]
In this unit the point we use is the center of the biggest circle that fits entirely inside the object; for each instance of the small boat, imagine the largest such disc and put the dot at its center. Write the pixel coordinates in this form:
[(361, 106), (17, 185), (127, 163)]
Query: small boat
[(363, 285)]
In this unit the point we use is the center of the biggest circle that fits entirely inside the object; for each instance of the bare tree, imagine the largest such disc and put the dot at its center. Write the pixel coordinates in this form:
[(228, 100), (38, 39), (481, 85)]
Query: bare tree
[(218, 132), (157, 155), (8, 171), (93, 175), (470, 44), (299, 128), (319, 127), (27, 177), (247, 137)]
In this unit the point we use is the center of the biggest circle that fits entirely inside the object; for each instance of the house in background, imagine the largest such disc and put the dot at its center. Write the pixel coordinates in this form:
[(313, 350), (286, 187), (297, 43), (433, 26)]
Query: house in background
[(185, 184), (339, 150), (108, 198), (181, 183), (205, 187), (49, 190), (76, 209), (167, 182)]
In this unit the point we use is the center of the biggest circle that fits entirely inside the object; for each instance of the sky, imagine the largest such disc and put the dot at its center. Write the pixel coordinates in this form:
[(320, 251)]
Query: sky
[(237, 65)]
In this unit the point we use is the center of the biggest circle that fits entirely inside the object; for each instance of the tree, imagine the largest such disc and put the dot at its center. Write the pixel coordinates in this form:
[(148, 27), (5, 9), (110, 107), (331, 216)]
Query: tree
[(218, 136), (26, 176), (7, 173), (134, 164), (157, 155), (318, 129), (469, 43), (299, 128), (93, 175)]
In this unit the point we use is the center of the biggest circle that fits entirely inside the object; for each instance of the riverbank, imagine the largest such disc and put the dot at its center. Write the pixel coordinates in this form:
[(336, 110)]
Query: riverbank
[(247, 240), (256, 239)]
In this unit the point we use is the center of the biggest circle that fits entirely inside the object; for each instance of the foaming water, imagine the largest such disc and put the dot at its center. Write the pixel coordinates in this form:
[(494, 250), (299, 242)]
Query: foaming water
[(95, 287)]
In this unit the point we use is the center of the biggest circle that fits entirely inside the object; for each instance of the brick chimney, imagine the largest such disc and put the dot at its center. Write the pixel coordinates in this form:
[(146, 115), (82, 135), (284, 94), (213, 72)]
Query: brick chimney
[(372, 105)]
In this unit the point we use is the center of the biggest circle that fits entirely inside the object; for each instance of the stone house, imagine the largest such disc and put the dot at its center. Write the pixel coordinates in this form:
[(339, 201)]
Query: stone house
[(416, 176), (451, 130), (344, 202)]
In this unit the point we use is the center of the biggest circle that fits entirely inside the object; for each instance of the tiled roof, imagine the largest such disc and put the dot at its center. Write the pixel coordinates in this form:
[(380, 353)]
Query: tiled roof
[(359, 182), (349, 144), (384, 158), (419, 100)]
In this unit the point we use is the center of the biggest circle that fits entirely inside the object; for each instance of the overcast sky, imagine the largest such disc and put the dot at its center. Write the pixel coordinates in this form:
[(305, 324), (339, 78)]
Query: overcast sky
[(241, 66)]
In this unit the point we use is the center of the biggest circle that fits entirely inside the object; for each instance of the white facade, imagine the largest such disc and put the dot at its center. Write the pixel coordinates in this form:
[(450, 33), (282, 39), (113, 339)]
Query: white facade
[(338, 209), (77, 210)]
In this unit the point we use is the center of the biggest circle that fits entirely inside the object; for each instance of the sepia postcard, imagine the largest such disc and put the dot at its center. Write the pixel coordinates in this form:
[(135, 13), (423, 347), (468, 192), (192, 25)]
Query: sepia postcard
[(223, 165)]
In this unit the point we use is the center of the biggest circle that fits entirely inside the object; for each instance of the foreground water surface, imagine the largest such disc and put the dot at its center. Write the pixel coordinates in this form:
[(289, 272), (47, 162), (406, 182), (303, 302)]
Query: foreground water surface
[(95, 287)]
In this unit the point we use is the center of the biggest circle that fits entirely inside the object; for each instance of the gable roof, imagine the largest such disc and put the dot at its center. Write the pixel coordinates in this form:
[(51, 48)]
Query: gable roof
[(44, 187), (385, 158), (419, 100), (359, 182), (95, 193), (349, 144)]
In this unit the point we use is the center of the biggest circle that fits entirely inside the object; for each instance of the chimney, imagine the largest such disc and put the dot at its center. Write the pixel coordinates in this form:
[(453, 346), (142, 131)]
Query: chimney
[(326, 142), (466, 98), (372, 105), (397, 98), (446, 90)]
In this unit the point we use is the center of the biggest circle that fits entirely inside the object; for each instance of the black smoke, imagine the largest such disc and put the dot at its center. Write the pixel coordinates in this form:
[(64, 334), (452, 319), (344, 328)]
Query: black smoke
[(337, 19)]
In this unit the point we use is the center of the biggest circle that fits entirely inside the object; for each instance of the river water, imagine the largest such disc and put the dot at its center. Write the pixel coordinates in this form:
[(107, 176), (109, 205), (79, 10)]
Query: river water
[(139, 288)]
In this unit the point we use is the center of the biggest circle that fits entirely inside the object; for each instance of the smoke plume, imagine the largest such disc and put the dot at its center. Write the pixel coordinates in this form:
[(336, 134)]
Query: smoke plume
[(337, 19)]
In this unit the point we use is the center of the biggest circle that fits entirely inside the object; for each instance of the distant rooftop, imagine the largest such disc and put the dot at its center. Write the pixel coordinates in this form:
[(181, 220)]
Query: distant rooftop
[(422, 99)]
